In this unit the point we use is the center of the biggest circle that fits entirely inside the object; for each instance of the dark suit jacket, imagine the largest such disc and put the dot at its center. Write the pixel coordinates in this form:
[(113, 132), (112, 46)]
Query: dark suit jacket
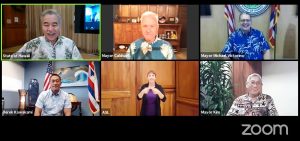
[(157, 104)]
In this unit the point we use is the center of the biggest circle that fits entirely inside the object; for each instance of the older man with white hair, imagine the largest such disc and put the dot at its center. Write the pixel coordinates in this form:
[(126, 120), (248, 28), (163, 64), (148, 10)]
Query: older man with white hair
[(150, 47), (253, 103)]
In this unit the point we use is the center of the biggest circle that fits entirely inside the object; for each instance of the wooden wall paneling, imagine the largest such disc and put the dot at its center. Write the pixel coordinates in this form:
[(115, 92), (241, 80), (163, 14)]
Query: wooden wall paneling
[(168, 107), (162, 10), (114, 100), (124, 10), (182, 15), (118, 90), (11, 13), (172, 11), (15, 36), (4, 38), (14, 26), (241, 70), (153, 8), (134, 11), (105, 103), (120, 107), (127, 34), (136, 31), (143, 8), (117, 30), (187, 107), (187, 79), (115, 75), (121, 33), (187, 88), (165, 71)]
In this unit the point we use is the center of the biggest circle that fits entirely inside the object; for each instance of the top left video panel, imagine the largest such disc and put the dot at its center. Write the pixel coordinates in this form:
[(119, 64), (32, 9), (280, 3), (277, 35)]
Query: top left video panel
[(51, 32)]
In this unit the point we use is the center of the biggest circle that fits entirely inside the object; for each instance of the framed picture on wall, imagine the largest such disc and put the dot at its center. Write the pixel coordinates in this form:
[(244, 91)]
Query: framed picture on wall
[(73, 76), (171, 34)]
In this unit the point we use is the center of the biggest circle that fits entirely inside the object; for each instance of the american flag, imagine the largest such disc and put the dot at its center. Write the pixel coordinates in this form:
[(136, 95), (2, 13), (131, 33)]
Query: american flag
[(229, 15), (93, 89), (273, 22), (47, 76)]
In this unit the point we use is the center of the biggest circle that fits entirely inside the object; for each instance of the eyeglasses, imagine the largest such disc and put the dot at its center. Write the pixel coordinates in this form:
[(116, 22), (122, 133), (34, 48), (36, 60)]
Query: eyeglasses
[(245, 20), (255, 83)]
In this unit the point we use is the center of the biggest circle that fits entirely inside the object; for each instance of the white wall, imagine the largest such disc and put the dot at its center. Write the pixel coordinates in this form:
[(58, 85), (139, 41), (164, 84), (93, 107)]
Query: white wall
[(280, 80), (12, 76), (12, 80)]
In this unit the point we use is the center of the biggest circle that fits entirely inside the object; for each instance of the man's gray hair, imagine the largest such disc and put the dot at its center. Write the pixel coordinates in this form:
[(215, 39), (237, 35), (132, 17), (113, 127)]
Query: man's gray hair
[(51, 12), (245, 14), (149, 13), (252, 75)]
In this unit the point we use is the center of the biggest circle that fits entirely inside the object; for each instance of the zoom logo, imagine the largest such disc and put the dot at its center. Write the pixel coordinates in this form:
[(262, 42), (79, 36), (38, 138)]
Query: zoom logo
[(267, 129)]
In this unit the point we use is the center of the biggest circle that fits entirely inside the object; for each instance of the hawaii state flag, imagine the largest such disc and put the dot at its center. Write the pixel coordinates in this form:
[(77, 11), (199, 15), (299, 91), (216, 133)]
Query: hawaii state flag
[(93, 91), (275, 10)]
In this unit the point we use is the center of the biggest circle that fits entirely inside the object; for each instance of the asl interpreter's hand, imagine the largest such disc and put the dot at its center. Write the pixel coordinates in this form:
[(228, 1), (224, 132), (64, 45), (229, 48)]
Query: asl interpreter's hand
[(145, 90), (155, 91), (158, 93)]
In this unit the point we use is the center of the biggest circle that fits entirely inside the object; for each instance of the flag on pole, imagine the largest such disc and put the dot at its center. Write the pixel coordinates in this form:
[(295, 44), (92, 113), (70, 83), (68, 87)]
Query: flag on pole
[(229, 15), (48, 75), (275, 11), (93, 89)]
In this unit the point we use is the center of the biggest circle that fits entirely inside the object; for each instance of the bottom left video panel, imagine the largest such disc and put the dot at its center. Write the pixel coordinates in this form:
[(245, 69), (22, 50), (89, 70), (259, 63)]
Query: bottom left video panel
[(50, 88)]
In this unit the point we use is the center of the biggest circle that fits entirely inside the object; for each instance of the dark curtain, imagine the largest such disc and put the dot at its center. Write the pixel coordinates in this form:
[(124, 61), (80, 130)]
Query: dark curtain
[(205, 10)]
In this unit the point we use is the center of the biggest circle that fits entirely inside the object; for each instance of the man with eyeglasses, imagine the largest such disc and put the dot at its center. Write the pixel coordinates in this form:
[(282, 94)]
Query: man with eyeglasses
[(253, 103), (246, 43)]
